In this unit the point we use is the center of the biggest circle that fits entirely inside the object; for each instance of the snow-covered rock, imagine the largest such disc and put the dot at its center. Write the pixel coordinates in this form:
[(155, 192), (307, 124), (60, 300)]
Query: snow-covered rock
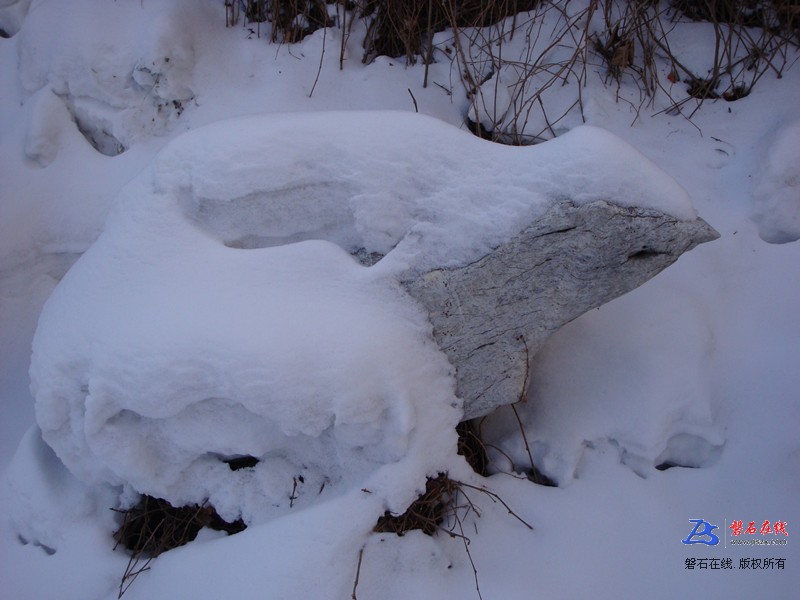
[(222, 312)]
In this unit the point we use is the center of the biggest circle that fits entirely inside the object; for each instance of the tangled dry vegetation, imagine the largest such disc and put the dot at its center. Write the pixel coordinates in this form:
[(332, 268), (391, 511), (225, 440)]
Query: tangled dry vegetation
[(153, 526), (512, 55), (442, 507)]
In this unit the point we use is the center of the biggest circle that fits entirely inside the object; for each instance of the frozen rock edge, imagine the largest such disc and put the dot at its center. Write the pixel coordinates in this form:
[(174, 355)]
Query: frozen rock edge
[(492, 316)]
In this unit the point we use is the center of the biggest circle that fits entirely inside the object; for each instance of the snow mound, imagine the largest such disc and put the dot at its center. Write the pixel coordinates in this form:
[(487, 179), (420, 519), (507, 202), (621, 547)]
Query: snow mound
[(120, 84), (643, 396), (777, 195), (221, 313), (154, 374)]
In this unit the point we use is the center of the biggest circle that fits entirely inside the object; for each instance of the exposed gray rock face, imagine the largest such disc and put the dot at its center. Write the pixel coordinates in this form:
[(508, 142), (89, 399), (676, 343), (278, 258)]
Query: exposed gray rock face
[(491, 317)]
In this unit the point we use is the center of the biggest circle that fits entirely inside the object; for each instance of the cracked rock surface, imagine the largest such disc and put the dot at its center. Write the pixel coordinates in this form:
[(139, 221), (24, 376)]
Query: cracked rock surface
[(490, 317)]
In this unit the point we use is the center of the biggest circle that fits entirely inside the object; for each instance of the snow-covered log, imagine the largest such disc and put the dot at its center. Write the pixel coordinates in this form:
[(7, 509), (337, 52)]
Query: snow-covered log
[(491, 316)]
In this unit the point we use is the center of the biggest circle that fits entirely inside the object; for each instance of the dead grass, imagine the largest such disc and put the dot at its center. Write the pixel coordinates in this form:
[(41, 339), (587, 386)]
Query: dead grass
[(427, 512), (442, 507), (154, 526)]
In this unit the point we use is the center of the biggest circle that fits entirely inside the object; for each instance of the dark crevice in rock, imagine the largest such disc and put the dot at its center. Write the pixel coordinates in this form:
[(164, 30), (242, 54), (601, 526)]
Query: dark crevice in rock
[(557, 231), (644, 254)]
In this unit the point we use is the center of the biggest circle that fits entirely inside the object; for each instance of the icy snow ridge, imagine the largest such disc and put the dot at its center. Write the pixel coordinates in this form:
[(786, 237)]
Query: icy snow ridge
[(222, 314)]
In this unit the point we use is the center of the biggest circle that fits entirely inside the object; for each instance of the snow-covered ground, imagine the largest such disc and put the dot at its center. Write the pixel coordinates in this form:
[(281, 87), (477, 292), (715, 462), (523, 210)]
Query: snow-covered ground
[(154, 356)]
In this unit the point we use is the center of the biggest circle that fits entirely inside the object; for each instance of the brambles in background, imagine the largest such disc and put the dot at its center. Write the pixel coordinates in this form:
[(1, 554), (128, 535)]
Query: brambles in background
[(764, 14), (405, 27), (751, 38), (516, 92), (735, 93), (705, 89), (255, 11), (395, 27), (617, 50), (702, 89), (291, 20), (721, 11), (788, 13)]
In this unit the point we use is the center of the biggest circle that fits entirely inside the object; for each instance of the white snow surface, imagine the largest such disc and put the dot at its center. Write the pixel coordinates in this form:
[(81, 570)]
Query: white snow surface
[(696, 368)]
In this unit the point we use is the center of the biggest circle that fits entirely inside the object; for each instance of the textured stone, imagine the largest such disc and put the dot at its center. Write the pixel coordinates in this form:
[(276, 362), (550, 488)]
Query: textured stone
[(490, 317)]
